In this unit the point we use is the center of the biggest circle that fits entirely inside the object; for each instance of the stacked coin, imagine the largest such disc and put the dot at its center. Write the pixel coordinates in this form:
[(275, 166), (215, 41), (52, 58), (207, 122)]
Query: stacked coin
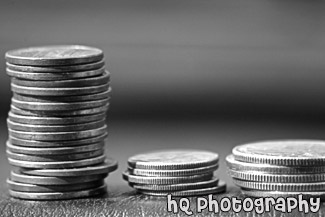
[(57, 123), (279, 168), (175, 172)]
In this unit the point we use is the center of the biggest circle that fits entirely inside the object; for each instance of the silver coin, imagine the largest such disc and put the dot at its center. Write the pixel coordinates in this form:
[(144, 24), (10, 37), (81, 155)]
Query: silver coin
[(286, 187), (276, 178), (192, 192), (58, 106), (51, 99), (57, 136), (55, 120), (166, 180), (108, 166), (283, 152), (54, 151), (57, 164), (47, 144), (58, 91), (81, 82), (270, 169), (276, 194), (173, 159), (54, 158), (185, 172), (56, 69), (54, 55), (43, 180), (24, 187), (59, 195), (177, 187), (55, 76), (90, 111), (55, 128)]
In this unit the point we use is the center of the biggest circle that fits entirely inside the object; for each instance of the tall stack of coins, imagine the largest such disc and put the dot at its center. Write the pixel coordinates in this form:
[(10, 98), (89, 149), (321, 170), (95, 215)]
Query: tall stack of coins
[(175, 172), (57, 123), (279, 168)]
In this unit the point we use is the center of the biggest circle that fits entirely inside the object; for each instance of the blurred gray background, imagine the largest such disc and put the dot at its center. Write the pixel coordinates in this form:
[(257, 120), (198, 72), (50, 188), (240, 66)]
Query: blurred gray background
[(185, 73)]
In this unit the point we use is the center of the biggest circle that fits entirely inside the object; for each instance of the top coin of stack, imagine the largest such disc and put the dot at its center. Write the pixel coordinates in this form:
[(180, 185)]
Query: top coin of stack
[(279, 168), (57, 122), (176, 172)]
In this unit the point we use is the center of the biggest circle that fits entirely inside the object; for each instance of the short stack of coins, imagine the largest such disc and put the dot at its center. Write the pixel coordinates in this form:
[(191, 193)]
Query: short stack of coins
[(175, 172), (57, 122), (285, 168)]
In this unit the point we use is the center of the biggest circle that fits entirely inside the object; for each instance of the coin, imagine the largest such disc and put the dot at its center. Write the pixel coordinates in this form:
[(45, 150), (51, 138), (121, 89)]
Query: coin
[(283, 152), (54, 158), (57, 164), (192, 192), (185, 172), (271, 169), (34, 143), (57, 136), (54, 151), (55, 76), (59, 195), (55, 120), (57, 69), (166, 180), (58, 91), (173, 159), (54, 55), (44, 180), (81, 82), (295, 187), (51, 99), (90, 111), (276, 178), (177, 187), (276, 194), (55, 128), (108, 166), (24, 187)]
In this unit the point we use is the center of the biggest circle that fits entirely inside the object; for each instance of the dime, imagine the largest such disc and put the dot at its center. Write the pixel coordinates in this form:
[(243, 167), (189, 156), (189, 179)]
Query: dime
[(295, 187), (57, 136), (57, 164), (43, 180), (185, 172), (90, 111), (55, 76), (268, 168), (283, 152), (54, 151), (24, 187), (57, 69), (177, 187), (43, 144), (58, 91), (81, 82), (276, 194), (54, 158), (108, 166), (54, 55), (55, 128), (276, 178), (165, 180), (174, 159), (192, 192), (58, 195), (55, 120)]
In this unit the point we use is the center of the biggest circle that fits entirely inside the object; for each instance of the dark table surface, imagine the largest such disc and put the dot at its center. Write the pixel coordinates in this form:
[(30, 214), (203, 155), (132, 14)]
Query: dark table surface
[(131, 137)]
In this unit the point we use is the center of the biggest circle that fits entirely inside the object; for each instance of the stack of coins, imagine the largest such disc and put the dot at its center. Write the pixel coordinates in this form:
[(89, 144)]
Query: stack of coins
[(279, 168), (175, 172), (57, 123)]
